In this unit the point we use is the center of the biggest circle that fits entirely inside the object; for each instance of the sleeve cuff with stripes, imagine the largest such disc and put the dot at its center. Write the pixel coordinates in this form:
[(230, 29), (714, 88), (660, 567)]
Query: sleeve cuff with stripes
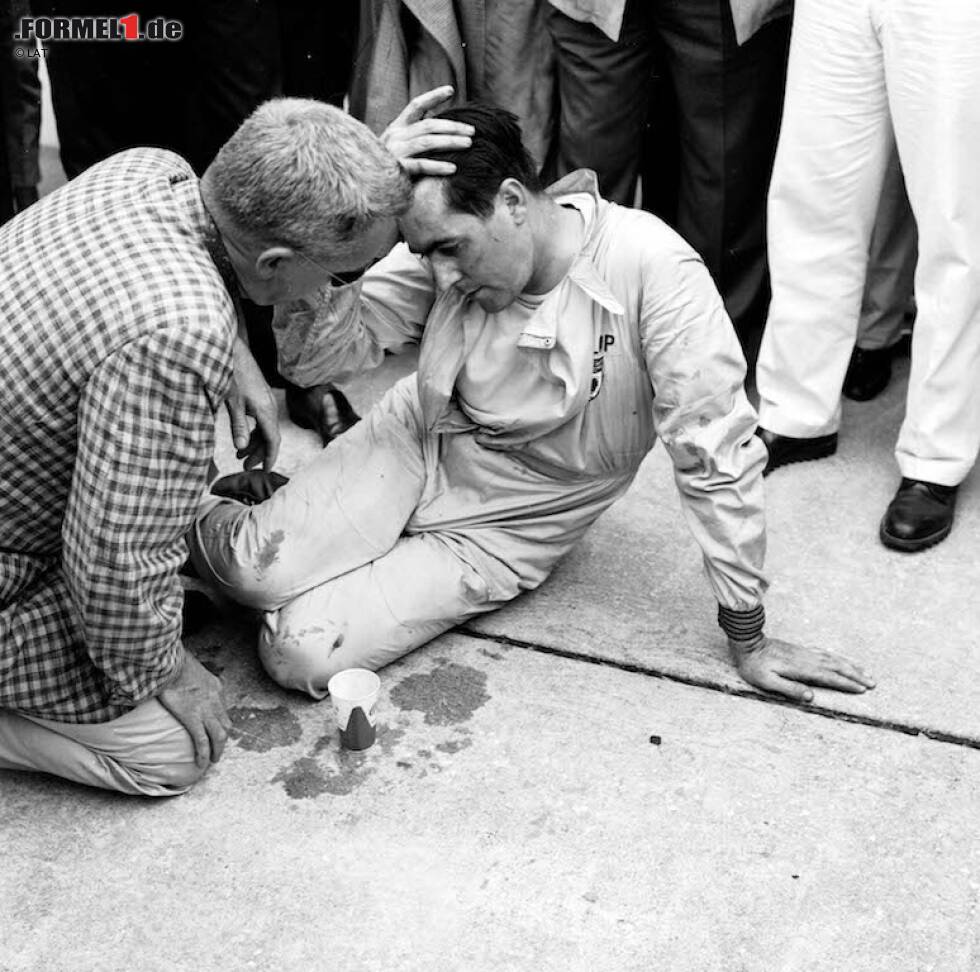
[(742, 625)]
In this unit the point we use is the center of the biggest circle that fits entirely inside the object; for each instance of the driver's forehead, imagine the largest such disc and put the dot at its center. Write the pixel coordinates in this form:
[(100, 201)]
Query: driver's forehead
[(430, 221)]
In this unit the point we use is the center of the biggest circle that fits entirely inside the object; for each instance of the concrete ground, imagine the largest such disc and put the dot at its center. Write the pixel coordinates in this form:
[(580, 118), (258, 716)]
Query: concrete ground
[(578, 782)]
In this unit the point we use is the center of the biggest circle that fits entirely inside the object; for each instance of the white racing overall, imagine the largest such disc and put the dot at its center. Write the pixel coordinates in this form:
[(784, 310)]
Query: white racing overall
[(420, 516)]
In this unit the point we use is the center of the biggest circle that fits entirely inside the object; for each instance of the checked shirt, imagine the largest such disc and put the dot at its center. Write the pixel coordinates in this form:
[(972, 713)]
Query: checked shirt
[(116, 336)]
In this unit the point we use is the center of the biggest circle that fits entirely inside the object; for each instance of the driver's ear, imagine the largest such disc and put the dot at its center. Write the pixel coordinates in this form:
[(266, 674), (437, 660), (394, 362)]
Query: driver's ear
[(514, 196)]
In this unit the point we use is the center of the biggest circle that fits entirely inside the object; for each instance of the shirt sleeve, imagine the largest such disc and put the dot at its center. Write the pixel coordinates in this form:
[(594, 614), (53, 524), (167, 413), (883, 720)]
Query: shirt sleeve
[(145, 439), (705, 421), (340, 332)]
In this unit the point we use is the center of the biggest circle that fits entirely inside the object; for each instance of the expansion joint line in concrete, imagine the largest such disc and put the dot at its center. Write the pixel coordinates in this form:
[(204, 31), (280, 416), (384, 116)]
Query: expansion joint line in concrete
[(905, 728)]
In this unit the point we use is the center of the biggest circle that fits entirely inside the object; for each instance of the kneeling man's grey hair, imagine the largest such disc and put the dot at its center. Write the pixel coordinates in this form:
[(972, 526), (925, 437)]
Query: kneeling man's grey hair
[(305, 174)]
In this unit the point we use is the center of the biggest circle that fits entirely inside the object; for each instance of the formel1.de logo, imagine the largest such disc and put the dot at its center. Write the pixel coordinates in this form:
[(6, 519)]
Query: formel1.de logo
[(128, 28)]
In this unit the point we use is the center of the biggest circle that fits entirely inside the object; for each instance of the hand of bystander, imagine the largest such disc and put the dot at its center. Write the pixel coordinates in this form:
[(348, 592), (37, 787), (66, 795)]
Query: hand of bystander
[(411, 134), (193, 698), (251, 395)]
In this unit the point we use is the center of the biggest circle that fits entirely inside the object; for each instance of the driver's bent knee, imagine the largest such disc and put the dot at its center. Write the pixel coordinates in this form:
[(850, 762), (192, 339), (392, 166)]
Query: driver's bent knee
[(303, 661)]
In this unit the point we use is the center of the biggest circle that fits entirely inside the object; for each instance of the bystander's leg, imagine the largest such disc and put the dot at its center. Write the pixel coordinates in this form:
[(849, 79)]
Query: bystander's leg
[(145, 752)]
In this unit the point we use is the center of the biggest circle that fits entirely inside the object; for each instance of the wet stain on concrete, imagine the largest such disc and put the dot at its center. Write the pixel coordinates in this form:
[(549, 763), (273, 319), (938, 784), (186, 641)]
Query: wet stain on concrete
[(448, 695), (388, 738), (260, 730), (315, 774), (269, 553), (324, 742), (454, 745), (305, 778)]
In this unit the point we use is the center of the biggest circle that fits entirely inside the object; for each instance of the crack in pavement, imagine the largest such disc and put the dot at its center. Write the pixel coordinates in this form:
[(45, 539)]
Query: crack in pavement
[(891, 725)]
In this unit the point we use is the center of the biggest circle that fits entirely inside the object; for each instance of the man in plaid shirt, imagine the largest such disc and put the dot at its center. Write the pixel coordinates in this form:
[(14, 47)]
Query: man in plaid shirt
[(118, 320)]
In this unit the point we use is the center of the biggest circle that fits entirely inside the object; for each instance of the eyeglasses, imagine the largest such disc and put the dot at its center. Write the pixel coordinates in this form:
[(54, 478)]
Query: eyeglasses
[(342, 279)]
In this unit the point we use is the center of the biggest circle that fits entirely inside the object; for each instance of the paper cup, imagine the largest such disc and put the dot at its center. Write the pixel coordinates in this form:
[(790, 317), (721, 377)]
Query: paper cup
[(355, 697)]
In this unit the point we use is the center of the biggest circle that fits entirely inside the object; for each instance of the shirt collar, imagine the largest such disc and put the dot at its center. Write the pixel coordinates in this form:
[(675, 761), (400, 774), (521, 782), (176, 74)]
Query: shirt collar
[(581, 190)]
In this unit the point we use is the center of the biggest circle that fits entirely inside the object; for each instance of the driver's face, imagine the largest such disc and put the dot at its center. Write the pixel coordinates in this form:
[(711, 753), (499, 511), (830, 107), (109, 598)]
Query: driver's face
[(489, 258)]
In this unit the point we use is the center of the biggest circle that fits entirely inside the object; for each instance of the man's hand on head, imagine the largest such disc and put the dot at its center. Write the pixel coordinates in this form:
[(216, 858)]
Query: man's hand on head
[(412, 134), (788, 669), (193, 698)]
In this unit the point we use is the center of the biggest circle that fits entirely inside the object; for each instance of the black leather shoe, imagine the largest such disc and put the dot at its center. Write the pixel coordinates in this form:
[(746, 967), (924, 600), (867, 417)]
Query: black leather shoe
[(868, 374), (307, 407), (251, 487), (784, 449), (919, 516)]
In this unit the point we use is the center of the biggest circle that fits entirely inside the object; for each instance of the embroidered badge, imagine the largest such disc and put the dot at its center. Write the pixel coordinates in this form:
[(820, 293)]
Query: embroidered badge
[(597, 373), (606, 341)]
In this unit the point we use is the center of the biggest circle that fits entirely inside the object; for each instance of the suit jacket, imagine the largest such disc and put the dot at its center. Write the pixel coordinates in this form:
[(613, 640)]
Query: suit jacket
[(408, 46), (747, 15), (497, 50)]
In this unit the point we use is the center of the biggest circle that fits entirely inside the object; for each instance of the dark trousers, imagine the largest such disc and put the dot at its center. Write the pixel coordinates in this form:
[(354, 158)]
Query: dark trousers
[(677, 101), (319, 44)]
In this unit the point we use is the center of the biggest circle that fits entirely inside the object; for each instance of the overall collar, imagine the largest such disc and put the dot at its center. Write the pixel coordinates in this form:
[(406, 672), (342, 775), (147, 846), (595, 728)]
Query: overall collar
[(581, 190)]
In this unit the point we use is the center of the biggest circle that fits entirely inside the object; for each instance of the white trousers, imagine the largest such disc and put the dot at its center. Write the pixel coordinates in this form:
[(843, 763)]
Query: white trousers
[(857, 69), (891, 265), (388, 538), (145, 752)]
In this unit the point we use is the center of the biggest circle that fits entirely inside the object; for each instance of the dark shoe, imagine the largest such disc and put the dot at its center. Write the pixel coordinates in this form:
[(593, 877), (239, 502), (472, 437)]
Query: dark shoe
[(322, 408), (784, 449), (868, 374), (920, 515), (251, 487)]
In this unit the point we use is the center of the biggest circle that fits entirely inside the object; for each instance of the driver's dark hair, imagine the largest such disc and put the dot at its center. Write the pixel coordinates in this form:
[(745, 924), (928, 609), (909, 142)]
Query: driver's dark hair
[(497, 153)]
